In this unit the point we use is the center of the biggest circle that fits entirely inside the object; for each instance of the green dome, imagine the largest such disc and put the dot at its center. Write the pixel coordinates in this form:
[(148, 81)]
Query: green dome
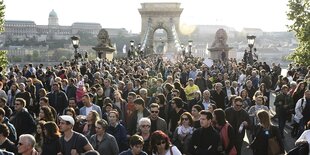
[(53, 14)]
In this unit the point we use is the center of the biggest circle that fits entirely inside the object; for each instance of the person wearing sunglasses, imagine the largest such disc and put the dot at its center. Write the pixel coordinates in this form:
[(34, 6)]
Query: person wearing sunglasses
[(144, 131), (183, 132), (161, 145), (157, 122)]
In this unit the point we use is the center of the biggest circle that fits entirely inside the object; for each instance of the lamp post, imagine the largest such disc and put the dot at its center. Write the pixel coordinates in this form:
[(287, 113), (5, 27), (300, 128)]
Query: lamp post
[(183, 50), (140, 52), (75, 43), (131, 50), (190, 44), (251, 40)]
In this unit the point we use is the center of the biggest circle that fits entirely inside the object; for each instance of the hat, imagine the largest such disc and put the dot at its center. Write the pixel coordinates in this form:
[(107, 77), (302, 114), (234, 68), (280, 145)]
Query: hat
[(190, 79), (67, 118)]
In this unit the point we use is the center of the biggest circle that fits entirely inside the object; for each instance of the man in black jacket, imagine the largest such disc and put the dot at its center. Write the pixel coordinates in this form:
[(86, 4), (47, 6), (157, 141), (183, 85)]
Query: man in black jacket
[(58, 99)]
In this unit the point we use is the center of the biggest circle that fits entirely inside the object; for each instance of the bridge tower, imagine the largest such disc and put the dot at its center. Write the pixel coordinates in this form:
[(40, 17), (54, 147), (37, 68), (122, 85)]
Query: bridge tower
[(164, 16)]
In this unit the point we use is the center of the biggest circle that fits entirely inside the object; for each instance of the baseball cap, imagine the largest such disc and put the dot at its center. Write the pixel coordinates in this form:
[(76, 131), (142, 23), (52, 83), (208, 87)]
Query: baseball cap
[(67, 118)]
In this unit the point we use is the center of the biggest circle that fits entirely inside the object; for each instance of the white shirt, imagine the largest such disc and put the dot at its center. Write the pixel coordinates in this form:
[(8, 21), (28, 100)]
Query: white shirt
[(298, 109), (88, 109), (305, 136), (174, 149)]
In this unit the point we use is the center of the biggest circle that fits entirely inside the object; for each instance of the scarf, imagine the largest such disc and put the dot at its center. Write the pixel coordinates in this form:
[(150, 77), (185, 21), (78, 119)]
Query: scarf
[(183, 131)]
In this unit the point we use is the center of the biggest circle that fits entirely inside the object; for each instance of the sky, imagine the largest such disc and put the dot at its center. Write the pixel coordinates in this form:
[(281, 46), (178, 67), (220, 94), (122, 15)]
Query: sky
[(269, 15)]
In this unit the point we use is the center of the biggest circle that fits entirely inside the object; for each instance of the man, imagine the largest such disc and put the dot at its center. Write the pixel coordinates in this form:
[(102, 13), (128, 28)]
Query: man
[(190, 89), (7, 109), (144, 94), (228, 90), (71, 89), (157, 123), (12, 131), (44, 102), (72, 104), (136, 145), (218, 95), (140, 111), (204, 140), (130, 107), (5, 143), (206, 101), (26, 145), (25, 95), (72, 142), (88, 106), (21, 119), (302, 112), (108, 89), (283, 103), (239, 119), (57, 98), (177, 111)]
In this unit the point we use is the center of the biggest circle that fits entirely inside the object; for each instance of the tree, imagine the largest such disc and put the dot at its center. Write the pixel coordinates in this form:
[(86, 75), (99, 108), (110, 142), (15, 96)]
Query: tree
[(299, 14), (3, 53)]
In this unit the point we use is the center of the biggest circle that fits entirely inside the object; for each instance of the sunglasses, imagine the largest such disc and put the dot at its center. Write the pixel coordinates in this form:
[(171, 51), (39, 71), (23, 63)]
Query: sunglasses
[(154, 111), (185, 119), (162, 142), (143, 126)]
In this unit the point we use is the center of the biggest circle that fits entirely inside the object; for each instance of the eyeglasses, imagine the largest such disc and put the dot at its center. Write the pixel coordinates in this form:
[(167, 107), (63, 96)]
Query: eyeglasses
[(162, 142), (143, 126), (154, 111), (185, 119)]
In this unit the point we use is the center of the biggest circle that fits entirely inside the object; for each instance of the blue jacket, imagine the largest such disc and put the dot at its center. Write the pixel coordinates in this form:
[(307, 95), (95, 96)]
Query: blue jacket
[(94, 107), (12, 136)]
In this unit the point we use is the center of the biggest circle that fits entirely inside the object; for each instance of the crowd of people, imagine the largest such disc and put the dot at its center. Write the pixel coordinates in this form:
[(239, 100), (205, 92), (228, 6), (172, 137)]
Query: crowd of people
[(151, 106)]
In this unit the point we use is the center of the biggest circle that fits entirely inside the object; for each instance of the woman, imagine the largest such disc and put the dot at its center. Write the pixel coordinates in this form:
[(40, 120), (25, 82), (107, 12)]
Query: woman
[(144, 131), (227, 133), (51, 143), (46, 114), (265, 92), (264, 134), (103, 142), (259, 105), (89, 127), (196, 116), (117, 130), (178, 86), (247, 103), (161, 145), (98, 100), (196, 100), (183, 132), (160, 99), (39, 136), (120, 103), (299, 91)]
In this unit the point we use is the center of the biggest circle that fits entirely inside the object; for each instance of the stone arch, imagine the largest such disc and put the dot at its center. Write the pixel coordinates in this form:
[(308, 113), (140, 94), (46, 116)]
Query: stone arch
[(159, 16)]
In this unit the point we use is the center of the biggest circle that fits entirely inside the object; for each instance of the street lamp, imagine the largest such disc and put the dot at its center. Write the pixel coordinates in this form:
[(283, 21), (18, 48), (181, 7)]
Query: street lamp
[(190, 44), (75, 43), (131, 50), (183, 49), (251, 40)]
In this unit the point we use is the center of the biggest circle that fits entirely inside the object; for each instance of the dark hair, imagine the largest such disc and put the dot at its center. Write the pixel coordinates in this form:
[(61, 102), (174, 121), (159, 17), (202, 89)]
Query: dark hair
[(44, 99), (220, 116), (4, 130), (208, 114), (198, 107), (168, 86), (156, 137), (70, 110), (135, 140), (139, 101), (48, 115), (2, 99), (178, 102), (162, 99), (22, 101), (103, 123), (52, 130)]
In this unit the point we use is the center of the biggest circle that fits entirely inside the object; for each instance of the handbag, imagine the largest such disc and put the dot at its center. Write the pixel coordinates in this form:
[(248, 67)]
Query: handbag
[(273, 146)]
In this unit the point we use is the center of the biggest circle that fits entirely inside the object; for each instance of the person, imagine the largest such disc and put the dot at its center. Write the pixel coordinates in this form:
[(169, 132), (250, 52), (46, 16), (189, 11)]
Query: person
[(195, 113), (72, 142), (117, 130), (259, 105), (177, 111), (26, 145), (226, 131), (263, 133), (5, 143), (205, 140), (302, 113), (51, 143), (283, 103), (144, 126), (57, 98), (12, 131), (161, 145), (304, 137), (140, 111), (89, 127), (183, 132), (136, 144), (103, 142), (39, 136), (89, 105), (239, 119), (157, 123), (22, 119), (46, 114)]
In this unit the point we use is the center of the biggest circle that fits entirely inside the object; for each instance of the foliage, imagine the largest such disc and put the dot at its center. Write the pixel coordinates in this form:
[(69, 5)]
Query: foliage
[(299, 13), (62, 53), (3, 54)]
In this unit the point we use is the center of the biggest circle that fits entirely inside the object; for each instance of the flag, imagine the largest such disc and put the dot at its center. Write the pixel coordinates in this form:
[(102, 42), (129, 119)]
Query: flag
[(114, 46)]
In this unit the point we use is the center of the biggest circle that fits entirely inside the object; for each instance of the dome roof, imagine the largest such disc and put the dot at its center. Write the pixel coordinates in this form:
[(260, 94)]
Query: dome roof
[(53, 14)]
